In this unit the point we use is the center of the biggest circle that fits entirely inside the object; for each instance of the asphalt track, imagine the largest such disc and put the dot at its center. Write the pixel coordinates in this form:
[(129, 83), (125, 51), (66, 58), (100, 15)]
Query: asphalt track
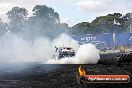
[(61, 76)]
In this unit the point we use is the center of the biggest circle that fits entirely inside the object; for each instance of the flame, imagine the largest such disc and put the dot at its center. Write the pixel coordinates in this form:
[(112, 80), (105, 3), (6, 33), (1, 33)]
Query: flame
[(81, 71)]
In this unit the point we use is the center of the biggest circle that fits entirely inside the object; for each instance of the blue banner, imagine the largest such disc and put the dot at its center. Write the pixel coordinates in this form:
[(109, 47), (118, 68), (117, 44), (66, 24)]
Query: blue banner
[(108, 38), (102, 38), (123, 39)]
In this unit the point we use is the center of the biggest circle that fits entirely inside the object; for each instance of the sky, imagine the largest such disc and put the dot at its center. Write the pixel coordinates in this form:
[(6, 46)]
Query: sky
[(71, 11)]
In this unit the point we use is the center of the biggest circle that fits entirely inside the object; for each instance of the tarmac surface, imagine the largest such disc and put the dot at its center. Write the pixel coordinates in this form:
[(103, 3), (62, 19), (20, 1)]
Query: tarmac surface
[(60, 76), (38, 75)]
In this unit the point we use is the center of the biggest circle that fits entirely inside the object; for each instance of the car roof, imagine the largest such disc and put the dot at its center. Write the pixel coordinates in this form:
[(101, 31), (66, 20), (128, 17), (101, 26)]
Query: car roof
[(65, 47)]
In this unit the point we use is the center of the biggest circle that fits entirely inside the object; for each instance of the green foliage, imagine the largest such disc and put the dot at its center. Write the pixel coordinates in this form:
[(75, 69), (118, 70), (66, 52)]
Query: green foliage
[(17, 17), (46, 13), (3, 27), (46, 22), (82, 28), (104, 24)]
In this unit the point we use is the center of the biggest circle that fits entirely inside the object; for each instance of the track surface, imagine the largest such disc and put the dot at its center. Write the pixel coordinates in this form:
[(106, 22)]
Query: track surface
[(60, 76)]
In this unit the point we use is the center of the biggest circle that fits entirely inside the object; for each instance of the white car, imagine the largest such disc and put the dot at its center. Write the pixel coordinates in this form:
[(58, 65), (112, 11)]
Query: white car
[(63, 52)]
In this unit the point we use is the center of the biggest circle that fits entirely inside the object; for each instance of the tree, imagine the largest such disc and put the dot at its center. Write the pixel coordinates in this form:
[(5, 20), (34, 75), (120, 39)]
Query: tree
[(104, 24), (17, 17), (127, 21), (45, 21), (3, 27), (81, 28), (46, 13), (108, 24)]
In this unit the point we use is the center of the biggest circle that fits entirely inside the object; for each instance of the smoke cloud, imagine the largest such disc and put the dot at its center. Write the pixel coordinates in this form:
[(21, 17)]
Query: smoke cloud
[(66, 41), (16, 49), (86, 54)]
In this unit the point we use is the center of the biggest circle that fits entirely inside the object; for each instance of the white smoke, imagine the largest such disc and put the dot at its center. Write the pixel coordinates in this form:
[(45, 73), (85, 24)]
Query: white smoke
[(86, 54), (66, 41), (15, 49)]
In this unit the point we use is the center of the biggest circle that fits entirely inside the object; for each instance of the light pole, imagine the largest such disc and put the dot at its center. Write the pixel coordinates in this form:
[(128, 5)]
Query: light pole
[(114, 41)]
